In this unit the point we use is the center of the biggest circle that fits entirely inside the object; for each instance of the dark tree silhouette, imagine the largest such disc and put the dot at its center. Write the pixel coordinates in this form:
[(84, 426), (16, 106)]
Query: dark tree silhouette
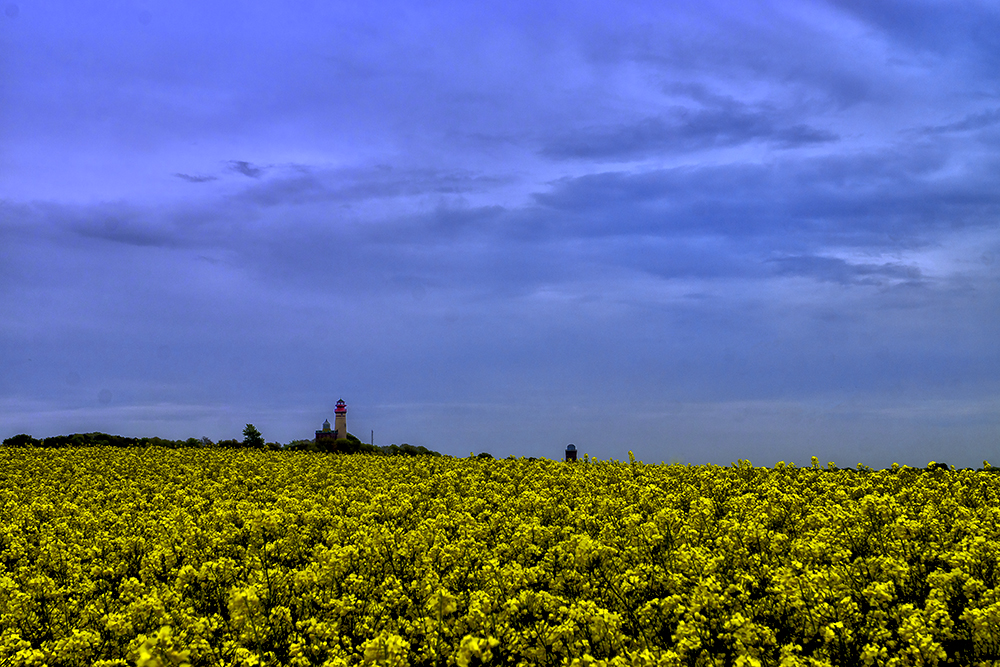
[(252, 438)]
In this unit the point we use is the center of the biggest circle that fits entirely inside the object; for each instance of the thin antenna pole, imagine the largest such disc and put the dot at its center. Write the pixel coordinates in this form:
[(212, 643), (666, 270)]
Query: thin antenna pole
[(373, 437)]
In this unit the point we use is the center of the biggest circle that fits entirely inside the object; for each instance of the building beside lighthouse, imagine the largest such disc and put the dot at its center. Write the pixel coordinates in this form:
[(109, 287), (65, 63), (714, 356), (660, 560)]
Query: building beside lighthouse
[(326, 439)]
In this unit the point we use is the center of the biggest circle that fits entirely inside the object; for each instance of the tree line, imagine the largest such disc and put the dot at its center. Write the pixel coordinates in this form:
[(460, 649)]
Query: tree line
[(252, 439)]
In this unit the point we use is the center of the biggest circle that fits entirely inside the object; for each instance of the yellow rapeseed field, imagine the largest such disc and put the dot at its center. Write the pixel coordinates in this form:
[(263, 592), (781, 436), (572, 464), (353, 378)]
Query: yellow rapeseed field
[(229, 557)]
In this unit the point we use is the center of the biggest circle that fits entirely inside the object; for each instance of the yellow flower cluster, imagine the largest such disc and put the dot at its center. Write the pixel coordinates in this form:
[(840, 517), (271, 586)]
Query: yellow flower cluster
[(170, 558)]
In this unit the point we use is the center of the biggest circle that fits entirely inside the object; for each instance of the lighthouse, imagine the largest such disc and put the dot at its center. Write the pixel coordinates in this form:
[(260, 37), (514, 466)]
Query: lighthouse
[(326, 440), (340, 421)]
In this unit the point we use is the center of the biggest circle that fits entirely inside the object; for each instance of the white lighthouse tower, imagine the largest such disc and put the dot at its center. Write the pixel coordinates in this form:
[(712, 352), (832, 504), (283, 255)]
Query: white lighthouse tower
[(340, 420)]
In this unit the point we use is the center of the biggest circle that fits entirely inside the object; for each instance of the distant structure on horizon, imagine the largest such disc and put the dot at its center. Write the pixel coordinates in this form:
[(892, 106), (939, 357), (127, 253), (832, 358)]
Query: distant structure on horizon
[(339, 431), (571, 452)]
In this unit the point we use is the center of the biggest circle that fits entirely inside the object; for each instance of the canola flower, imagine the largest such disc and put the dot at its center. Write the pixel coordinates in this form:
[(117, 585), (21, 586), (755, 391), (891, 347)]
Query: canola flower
[(196, 557)]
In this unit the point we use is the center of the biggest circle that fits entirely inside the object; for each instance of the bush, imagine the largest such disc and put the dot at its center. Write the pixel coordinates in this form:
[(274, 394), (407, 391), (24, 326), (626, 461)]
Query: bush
[(351, 445), (408, 450), (302, 445)]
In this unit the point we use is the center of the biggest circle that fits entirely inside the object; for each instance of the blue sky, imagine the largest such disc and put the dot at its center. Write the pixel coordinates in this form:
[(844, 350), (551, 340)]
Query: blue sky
[(700, 231)]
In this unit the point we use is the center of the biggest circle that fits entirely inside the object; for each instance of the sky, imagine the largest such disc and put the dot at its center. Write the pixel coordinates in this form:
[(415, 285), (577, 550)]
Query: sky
[(699, 231)]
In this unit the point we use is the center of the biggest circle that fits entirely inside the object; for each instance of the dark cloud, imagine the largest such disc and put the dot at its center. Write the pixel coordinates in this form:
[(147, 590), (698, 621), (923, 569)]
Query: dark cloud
[(302, 184), (890, 198), (684, 130), (941, 27), (125, 231), (801, 135), (195, 179), (975, 121), (837, 270), (121, 223), (245, 168)]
